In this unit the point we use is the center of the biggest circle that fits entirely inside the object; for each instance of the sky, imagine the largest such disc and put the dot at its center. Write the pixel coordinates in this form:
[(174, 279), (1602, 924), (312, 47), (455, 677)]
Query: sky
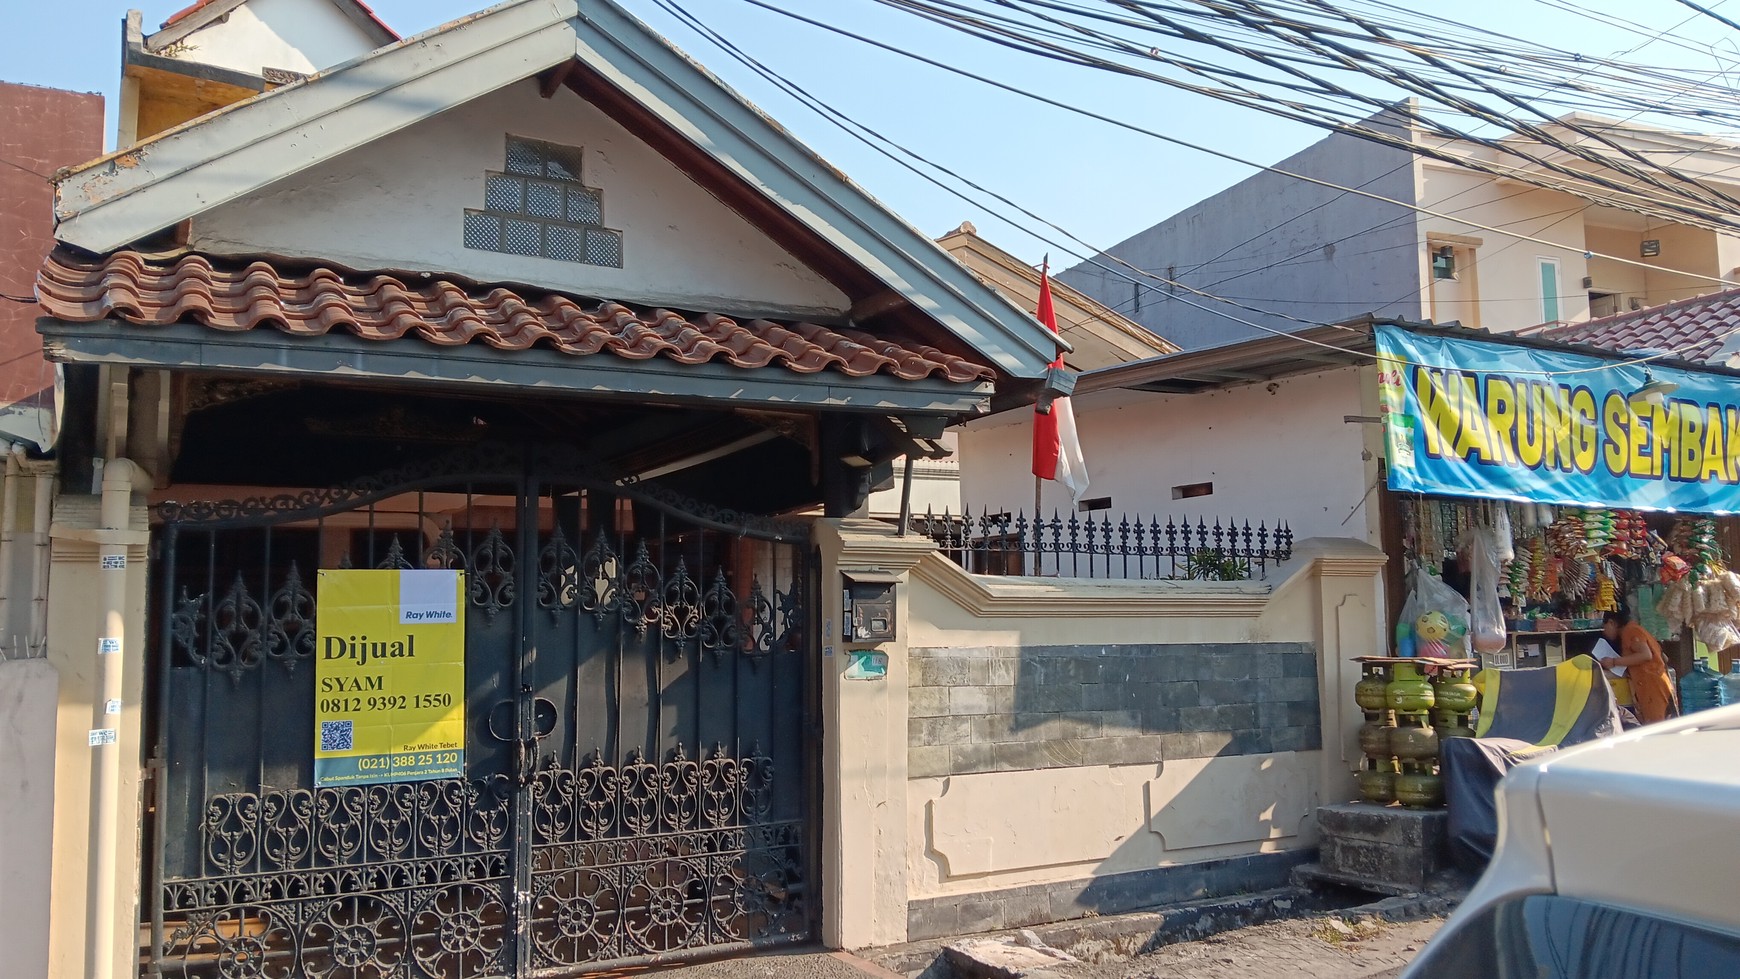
[(1101, 183)]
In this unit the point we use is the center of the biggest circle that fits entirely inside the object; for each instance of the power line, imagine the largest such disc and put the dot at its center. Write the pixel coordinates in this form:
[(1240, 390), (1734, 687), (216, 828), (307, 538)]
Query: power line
[(1685, 199), (854, 128), (1177, 141), (1708, 12), (19, 166)]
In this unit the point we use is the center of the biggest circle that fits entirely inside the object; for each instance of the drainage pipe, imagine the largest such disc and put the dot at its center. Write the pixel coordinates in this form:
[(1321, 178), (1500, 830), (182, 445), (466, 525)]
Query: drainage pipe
[(39, 532), (8, 531), (119, 478)]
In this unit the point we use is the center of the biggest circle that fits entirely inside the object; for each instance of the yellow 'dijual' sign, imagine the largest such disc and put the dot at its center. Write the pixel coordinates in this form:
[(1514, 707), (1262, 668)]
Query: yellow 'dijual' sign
[(389, 677)]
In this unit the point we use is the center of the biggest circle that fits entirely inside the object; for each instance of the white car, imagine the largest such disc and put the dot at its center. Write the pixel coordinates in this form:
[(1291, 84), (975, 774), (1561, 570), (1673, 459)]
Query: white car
[(1616, 859)]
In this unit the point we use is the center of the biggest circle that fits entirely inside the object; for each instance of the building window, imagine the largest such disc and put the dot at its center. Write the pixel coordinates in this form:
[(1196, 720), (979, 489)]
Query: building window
[(1444, 262), (538, 206), (1549, 273)]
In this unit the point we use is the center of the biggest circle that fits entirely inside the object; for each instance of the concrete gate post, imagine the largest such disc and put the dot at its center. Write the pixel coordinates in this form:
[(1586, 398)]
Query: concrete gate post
[(864, 738)]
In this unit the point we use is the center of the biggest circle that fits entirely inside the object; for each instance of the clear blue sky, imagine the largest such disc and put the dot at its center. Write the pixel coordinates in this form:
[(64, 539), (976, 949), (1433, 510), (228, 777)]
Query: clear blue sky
[(1101, 183)]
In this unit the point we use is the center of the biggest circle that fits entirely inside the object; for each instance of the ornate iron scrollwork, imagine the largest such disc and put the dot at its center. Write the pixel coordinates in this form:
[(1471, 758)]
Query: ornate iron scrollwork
[(558, 574), (657, 857), (642, 591), (680, 611), (791, 618), (236, 640), (759, 641), (290, 622), (395, 559), (460, 932), (721, 631), (492, 574), (445, 555), (600, 580), (185, 622)]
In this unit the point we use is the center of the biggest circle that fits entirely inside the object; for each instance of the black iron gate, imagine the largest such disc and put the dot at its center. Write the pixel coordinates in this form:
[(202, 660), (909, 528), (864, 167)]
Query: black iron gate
[(639, 709)]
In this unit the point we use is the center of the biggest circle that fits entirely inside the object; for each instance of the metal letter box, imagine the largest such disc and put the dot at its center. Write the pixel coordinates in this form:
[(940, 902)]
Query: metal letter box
[(870, 606)]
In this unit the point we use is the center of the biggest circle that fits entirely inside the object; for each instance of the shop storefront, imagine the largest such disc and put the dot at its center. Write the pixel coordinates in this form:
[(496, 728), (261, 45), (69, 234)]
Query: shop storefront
[(1547, 485)]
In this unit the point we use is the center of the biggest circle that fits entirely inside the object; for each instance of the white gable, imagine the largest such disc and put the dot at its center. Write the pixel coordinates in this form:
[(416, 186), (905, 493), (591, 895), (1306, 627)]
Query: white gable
[(294, 35), (400, 203)]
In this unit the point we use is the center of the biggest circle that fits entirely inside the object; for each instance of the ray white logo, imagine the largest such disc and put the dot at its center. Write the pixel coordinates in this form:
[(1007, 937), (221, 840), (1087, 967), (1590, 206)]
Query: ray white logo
[(428, 597)]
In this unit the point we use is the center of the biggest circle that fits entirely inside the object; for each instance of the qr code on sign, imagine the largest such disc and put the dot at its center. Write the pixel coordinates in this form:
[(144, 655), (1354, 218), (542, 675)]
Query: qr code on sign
[(337, 736)]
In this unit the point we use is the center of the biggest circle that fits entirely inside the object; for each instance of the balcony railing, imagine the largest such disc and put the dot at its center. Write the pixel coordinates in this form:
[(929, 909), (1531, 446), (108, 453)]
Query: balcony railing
[(1090, 546)]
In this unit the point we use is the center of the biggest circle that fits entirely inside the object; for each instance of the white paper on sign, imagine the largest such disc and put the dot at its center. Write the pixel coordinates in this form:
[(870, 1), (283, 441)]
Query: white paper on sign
[(428, 597), (1604, 649)]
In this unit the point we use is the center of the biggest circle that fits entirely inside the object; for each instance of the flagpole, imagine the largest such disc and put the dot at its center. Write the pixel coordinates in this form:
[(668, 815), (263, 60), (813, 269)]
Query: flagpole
[(1044, 273)]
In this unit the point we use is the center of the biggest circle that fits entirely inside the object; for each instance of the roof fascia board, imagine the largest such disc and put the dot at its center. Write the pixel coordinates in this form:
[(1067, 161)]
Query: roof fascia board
[(189, 346), (138, 57), (374, 27), (230, 153), (692, 102), (1247, 354)]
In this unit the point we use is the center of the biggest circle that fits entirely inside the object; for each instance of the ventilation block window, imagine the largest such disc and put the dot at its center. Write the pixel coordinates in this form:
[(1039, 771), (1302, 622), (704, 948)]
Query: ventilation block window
[(539, 207), (1192, 490)]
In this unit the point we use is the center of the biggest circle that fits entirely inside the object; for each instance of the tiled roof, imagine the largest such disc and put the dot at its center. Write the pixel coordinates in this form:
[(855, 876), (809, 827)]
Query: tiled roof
[(235, 298), (1702, 328)]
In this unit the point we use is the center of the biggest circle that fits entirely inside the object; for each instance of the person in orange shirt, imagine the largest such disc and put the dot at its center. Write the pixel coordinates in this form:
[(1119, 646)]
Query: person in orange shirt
[(1644, 666)]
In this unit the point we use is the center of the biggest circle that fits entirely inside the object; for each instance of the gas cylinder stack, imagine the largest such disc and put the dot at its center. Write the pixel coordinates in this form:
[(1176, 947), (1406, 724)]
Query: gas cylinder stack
[(1408, 715)]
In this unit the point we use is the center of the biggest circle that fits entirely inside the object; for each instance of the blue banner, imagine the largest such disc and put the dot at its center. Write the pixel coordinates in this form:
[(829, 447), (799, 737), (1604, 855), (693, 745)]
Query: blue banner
[(1470, 417)]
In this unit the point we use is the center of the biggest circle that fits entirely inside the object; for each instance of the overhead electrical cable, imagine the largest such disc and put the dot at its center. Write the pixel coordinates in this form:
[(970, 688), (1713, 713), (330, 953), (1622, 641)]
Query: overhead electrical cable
[(1710, 13), (1177, 141), (870, 136), (1683, 199)]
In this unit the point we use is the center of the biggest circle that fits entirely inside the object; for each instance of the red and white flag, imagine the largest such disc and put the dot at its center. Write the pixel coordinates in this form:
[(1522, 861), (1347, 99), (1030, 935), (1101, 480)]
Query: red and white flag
[(1056, 447)]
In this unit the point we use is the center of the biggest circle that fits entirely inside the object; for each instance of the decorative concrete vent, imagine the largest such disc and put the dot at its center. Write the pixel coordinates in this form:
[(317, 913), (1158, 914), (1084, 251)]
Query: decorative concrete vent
[(541, 208)]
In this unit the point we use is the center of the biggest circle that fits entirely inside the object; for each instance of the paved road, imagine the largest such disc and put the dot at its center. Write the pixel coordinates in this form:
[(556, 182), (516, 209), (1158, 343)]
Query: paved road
[(1304, 949)]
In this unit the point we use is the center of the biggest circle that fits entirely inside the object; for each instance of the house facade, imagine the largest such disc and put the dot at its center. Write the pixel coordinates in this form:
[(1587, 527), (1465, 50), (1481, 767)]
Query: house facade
[(1301, 253)]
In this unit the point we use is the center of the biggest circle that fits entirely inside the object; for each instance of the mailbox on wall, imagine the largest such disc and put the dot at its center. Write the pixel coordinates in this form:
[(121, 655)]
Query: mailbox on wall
[(869, 612)]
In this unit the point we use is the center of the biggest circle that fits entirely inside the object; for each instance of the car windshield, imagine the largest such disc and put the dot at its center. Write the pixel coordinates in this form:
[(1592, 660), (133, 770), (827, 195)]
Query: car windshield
[(1551, 937)]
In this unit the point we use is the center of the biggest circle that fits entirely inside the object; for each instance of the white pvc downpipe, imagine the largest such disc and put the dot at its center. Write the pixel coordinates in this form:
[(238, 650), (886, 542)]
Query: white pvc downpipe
[(119, 477), (8, 532), (41, 519)]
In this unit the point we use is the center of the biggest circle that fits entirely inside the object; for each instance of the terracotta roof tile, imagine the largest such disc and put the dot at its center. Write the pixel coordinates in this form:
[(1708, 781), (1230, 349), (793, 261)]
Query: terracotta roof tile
[(1702, 328), (235, 298)]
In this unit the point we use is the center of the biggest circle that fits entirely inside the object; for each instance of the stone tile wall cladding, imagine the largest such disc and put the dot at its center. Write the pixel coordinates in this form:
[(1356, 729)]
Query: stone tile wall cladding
[(1007, 708)]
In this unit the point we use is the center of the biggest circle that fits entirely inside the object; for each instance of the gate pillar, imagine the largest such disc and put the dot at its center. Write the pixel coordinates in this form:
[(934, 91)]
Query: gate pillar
[(864, 725)]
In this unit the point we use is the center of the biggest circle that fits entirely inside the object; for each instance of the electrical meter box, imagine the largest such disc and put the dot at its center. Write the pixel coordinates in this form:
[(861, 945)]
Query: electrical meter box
[(870, 606)]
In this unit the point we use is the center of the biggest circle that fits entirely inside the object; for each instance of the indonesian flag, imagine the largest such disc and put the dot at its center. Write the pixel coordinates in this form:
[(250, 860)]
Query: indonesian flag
[(1056, 447)]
